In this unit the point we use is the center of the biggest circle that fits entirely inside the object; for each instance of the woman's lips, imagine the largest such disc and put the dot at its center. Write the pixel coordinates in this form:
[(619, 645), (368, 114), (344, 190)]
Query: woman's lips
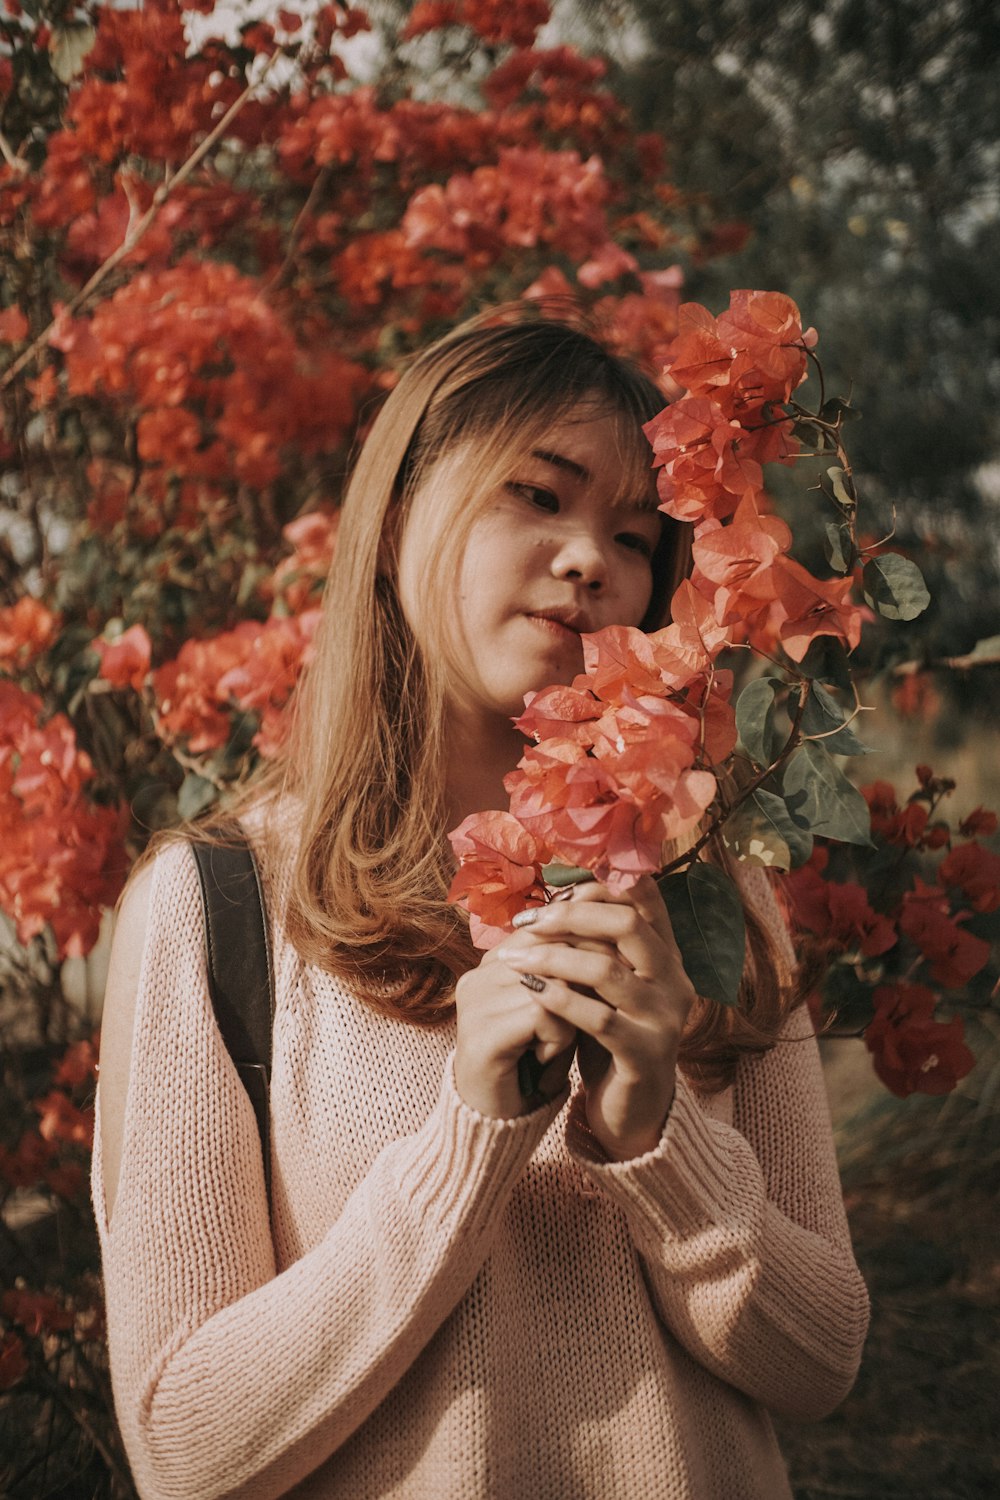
[(556, 628)]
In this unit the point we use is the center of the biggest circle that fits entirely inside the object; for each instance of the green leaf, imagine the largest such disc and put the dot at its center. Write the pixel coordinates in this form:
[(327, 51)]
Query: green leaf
[(836, 407), (68, 47), (755, 719), (565, 875), (763, 832), (819, 795), (839, 547), (895, 587), (841, 494), (195, 795), (707, 916), (822, 714), (827, 660)]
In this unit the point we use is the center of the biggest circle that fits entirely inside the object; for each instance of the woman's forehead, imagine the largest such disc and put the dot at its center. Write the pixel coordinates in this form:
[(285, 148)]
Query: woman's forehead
[(597, 442)]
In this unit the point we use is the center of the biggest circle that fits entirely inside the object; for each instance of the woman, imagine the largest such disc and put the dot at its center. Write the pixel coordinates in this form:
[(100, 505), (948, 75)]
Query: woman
[(596, 1294)]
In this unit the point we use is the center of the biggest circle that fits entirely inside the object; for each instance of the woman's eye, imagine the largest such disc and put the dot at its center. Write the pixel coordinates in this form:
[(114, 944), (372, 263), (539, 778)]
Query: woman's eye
[(636, 542), (535, 495)]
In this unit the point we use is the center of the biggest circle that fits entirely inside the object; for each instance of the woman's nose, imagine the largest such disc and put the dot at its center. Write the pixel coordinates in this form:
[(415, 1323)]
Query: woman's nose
[(580, 559)]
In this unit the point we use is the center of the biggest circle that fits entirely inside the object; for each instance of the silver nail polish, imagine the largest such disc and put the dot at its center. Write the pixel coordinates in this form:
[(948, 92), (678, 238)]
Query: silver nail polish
[(526, 917)]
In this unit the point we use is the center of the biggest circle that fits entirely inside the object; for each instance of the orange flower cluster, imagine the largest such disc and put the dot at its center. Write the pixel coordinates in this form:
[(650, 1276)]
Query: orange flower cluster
[(61, 858), (219, 385), (739, 370), (528, 199), (496, 21), (252, 668), (620, 766), (26, 628)]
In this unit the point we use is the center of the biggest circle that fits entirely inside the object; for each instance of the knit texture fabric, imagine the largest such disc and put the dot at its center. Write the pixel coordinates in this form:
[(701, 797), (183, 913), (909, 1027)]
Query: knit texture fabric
[(448, 1307)]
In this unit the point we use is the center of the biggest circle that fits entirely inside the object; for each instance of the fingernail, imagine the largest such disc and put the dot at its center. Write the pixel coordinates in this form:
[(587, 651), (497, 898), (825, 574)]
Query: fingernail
[(526, 917), (532, 982)]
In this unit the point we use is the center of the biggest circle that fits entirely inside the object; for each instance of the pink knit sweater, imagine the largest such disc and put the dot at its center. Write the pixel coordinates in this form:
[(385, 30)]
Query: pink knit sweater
[(452, 1307)]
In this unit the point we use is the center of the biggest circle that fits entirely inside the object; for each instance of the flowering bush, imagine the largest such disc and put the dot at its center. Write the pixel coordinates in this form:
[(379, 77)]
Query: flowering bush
[(216, 253)]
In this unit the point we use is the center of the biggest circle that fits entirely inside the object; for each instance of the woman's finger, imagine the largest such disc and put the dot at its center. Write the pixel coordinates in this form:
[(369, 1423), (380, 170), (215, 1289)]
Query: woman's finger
[(644, 896), (617, 924), (612, 981)]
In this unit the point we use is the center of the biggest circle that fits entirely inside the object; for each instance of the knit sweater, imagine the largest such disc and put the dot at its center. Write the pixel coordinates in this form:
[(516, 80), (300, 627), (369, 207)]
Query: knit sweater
[(446, 1306)]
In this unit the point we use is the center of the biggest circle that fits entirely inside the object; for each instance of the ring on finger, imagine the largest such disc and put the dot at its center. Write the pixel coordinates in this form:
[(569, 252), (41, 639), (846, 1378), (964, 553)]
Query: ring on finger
[(532, 982)]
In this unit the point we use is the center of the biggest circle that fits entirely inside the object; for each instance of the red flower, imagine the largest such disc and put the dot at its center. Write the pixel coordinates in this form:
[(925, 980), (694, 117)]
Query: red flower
[(61, 1120), (954, 954), (612, 821), (125, 661), (838, 912), (912, 1052), (36, 1312), (26, 628), (499, 870), (980, 821), (78, 1065), (13, 326), (814, 607), (976, 872)]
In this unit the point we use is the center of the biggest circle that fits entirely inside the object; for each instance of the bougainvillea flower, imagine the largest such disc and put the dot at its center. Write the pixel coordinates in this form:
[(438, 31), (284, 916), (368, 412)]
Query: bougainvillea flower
[(903, 826), (298, 579), (767, 328), (954, 954), (78, 1065), (814, 607), (980, 821), (702, 469), (125, 661), (913, 1053), (687, 647), (559, 712), (252, 667), (738, 557), (500, 864), (36, 1312), (61, 857), (620, 664), (839, 912), (61, 1120), (26, 628), (612, 824), (976, 872)]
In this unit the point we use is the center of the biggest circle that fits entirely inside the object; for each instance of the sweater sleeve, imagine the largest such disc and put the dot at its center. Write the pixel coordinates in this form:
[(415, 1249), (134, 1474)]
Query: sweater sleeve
[(230, 1379), (742, 1232)]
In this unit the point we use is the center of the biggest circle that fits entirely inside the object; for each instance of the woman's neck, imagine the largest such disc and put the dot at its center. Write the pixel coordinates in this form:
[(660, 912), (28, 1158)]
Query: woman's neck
[(481, 750)]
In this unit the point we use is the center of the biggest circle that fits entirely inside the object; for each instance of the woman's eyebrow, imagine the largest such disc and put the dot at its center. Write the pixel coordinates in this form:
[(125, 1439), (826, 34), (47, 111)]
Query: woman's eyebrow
[(560, 461), (646, 505)]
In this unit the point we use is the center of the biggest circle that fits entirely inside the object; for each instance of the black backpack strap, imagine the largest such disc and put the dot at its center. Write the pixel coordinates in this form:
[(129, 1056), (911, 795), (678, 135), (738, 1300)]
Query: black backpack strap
[(240, 975)]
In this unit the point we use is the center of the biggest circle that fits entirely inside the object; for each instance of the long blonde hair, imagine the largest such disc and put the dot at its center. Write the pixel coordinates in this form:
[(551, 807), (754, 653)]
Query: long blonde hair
[(366, 747)]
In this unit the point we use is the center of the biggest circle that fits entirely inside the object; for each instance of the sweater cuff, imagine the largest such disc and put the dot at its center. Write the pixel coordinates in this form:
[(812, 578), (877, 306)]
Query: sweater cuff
[(464, 1164), (678, 1187)]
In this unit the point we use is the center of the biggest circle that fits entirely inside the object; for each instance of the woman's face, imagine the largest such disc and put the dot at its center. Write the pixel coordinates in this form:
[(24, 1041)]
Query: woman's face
[(556, 552)]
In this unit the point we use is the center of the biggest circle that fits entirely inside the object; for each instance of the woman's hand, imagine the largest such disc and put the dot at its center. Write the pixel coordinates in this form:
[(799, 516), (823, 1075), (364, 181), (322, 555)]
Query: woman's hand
[(499, 1019), (613, 970)]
